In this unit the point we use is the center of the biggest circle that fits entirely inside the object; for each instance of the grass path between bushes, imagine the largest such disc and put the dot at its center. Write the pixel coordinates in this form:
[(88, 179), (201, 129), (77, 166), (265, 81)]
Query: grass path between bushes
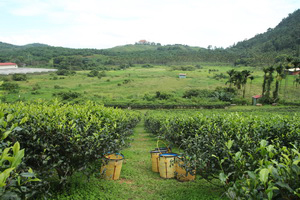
[(137, 181)]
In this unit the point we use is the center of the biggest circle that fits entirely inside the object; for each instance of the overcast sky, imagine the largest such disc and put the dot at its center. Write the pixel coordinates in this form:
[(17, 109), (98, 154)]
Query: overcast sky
[(108, 23)]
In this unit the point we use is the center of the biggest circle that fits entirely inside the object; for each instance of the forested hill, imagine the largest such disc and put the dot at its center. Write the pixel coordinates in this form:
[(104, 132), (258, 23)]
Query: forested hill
[(259, 50), (42, 55), (11, 46), (284, 38), (4, 46)]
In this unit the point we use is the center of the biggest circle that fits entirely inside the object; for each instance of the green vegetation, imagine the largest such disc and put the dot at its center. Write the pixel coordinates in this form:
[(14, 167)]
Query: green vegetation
[(54, 147), (155, 87), (19, 77), (61, 139), (138, 181), (283, 39), (253, 156)]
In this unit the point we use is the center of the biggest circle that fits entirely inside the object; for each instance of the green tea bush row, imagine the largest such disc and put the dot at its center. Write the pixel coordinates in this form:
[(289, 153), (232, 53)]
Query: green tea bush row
[(228, 146), (15, 178), (61, 139), (165, 104)]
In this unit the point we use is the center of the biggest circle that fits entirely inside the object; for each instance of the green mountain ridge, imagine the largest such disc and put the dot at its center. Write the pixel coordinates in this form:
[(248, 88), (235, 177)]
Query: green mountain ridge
[(259, 50), (12, 46), (285, 37)]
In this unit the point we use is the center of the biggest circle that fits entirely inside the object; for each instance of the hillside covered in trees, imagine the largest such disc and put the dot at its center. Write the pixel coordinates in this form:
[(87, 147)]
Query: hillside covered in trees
[(264, 47), (260, 50)]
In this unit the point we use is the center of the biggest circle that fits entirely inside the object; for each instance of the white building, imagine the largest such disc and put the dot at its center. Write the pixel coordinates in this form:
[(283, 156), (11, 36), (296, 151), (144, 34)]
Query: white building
[(8, 65)]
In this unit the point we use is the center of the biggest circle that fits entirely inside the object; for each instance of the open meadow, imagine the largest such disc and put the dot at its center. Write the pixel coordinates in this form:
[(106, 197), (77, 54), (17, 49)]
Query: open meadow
[(139, 84)]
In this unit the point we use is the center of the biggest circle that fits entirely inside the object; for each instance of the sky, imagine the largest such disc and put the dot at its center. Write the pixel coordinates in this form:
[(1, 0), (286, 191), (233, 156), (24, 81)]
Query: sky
[(104, 24)]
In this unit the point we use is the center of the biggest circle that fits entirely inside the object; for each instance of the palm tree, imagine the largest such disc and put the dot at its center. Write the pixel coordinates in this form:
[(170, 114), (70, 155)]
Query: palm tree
[(245, 76), (231, 77), (238, 79), (280, 75), (269, 81), (265, 70)]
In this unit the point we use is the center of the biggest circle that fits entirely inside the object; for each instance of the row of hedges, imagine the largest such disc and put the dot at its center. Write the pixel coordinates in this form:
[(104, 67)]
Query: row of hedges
[(166, 105), (61, 139), (255, 157)]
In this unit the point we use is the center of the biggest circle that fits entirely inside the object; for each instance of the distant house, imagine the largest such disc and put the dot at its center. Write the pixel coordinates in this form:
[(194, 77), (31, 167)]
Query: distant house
[(8, 65), (255, 99), (182, 75), (143, 42), (293, 71)]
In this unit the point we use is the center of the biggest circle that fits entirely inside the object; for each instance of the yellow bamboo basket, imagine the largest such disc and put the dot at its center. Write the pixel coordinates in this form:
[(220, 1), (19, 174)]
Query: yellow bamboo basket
[(154, 159), (112, 165), (166, 165), (181, 173)]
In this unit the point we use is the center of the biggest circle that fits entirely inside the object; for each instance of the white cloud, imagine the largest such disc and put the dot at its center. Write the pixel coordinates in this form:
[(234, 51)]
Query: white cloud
[(102, 24)]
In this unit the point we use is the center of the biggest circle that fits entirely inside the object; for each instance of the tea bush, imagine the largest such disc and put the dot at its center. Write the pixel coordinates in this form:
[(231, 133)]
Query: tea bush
[(60, 139), (231, 147)]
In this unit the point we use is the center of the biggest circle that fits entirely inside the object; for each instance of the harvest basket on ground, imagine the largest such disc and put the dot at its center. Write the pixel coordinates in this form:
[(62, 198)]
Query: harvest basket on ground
[(111, 166)]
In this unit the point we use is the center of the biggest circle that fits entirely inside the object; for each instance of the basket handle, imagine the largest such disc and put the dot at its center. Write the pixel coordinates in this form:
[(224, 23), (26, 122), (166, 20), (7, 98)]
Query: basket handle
[(163, 143)]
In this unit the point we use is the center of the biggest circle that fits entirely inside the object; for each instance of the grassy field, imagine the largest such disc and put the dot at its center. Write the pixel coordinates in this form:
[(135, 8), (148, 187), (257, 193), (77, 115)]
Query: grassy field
[(135, 82)]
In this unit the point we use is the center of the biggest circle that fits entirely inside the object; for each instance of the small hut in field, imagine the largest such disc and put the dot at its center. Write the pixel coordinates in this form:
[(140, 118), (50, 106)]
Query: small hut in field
[(182, 75), (255, 99), (293, 71)]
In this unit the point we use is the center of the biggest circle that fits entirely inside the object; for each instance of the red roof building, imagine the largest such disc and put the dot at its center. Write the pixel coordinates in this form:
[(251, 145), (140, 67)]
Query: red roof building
[(293, 71), (8, 65), (255, 99), (257, 96)]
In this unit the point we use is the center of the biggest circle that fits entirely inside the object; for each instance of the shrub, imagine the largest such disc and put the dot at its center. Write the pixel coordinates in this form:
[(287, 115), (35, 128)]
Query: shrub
[(197, 93), (255, 157), (148, 97), (16, 179), (65, 72), (147, 66), (224, 94), (60, 139), (163, 95), (10, 86), (219, 76), (36, 87), (93, 73), (124, 66), (239, 101), (59, 87), (266, 100), (276, 176), (19, 77), (67, 95), (54, 78), (101, 74), (126, 81), (184, 68), (35, 92), (198, 66)]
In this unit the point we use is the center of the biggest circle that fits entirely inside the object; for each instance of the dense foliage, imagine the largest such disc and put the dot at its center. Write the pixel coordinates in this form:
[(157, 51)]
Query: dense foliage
[(61, 139), (254, 156), (15, 179)]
